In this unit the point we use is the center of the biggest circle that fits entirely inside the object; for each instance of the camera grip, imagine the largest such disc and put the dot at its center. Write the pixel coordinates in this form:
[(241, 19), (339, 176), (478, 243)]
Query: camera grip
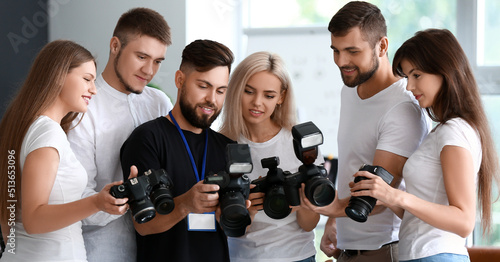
[(118, 191)]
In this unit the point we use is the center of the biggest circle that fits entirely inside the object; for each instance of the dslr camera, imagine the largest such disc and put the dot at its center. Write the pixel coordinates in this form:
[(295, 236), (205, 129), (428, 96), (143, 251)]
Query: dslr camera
[(360, 207), (275, 203), (234, 189), (147, 194), (319, 190)]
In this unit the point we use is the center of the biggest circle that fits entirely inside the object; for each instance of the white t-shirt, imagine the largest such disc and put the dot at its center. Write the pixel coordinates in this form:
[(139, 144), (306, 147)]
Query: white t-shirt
[(268, 239), (110, 119), (65, 244), (392, 121), (424, 178)]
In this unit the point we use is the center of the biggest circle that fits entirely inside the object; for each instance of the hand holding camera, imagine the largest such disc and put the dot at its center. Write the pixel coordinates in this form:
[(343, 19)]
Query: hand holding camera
[(234, 189), (147, 194), (359, 207), (282, 187), (318, 189), (275, 203)]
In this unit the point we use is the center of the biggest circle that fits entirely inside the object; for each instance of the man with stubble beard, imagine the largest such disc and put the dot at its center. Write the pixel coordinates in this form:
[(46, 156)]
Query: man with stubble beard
[(380, 124), (137, 48), (183, 144)]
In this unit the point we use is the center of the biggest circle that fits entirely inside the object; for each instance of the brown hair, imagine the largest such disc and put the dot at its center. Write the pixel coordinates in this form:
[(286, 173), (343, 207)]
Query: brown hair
[(142, 21), (39, 91), (366, 16), (437, 51)]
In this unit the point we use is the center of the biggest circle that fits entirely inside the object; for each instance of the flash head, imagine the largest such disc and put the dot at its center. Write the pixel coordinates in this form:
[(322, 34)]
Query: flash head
[(307, 135), (306, 139), (239, 160)]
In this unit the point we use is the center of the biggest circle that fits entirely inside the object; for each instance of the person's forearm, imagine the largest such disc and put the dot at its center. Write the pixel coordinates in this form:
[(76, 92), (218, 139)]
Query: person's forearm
[(307, 219), (48, 218), (445, 217)]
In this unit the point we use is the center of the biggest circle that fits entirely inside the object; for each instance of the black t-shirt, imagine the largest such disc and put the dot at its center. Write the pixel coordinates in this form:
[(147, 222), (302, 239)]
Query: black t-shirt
[(157, 144)]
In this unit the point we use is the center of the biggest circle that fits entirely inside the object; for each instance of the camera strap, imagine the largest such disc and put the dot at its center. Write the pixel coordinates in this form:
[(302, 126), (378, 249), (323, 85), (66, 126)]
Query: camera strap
[(195, 169)]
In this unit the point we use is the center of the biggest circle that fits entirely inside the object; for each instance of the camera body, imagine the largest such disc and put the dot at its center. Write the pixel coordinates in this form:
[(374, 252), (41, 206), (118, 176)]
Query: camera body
[(360, 207), (234, 189), (147, 194), (319, 190), (275, 203)]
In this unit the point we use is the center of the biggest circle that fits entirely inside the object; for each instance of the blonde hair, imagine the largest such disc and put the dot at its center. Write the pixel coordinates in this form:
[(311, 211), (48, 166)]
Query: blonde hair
[(39, 91), (284, 115)]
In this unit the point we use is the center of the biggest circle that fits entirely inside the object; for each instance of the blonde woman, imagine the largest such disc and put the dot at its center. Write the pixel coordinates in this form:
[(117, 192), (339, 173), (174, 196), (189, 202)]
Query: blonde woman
[(260, 112)]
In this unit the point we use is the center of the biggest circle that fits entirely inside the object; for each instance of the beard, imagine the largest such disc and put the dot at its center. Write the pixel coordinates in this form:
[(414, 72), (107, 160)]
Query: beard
[(362, 76), (127, 86), (189, 112)]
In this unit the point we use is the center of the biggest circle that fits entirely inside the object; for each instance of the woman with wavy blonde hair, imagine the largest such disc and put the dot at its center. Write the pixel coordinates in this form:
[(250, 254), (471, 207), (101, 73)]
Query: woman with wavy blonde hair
[(260, 111)]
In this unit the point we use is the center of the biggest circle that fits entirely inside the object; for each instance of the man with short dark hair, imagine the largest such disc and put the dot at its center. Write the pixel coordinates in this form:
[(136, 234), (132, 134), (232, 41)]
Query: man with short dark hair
[(381, 124), (183, 144), (137, 48)]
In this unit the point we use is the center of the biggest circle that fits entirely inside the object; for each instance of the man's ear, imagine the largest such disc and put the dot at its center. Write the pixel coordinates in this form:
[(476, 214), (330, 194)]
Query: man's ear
[(114, 45), (180, 77), (383, 46)]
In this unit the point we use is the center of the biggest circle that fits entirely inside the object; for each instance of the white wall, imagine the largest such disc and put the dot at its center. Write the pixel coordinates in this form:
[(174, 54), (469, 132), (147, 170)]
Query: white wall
[(91, 24), (217, 20), (315, 77)]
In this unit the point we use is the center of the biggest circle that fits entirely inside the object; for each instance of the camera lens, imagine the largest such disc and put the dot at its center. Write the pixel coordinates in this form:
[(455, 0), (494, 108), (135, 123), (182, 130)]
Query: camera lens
[(275, 204), (320, 191), (359, 208), (142, 210), (234, 214), (163, 201)]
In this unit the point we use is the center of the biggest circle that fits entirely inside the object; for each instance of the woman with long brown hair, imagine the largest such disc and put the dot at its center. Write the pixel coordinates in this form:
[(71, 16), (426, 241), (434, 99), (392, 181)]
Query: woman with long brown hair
[(41, 181), (455, 160)]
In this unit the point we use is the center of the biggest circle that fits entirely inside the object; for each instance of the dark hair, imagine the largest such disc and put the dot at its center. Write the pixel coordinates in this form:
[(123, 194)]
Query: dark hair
[(360, 14), (204, 55), (40, 90), (142, 21), (438, 52)]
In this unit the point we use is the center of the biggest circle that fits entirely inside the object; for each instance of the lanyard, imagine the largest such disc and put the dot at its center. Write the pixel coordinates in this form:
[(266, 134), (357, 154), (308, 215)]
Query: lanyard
[(189, 150)]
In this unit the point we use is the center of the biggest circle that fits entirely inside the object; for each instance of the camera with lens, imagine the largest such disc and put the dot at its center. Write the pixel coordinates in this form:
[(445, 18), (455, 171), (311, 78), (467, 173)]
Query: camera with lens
[(147, 194), (275, 203), (360, 207), (234, 189), (319, 190)]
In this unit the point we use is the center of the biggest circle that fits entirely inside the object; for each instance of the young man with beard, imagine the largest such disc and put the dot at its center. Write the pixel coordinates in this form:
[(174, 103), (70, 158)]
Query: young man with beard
[(137, 48), (183, 144), (381, 124)]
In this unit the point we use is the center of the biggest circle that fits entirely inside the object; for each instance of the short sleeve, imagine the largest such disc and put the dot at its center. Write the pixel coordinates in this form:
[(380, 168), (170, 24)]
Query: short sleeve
[(140, 149), (402, 129), (457, 132), (44, 133)]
